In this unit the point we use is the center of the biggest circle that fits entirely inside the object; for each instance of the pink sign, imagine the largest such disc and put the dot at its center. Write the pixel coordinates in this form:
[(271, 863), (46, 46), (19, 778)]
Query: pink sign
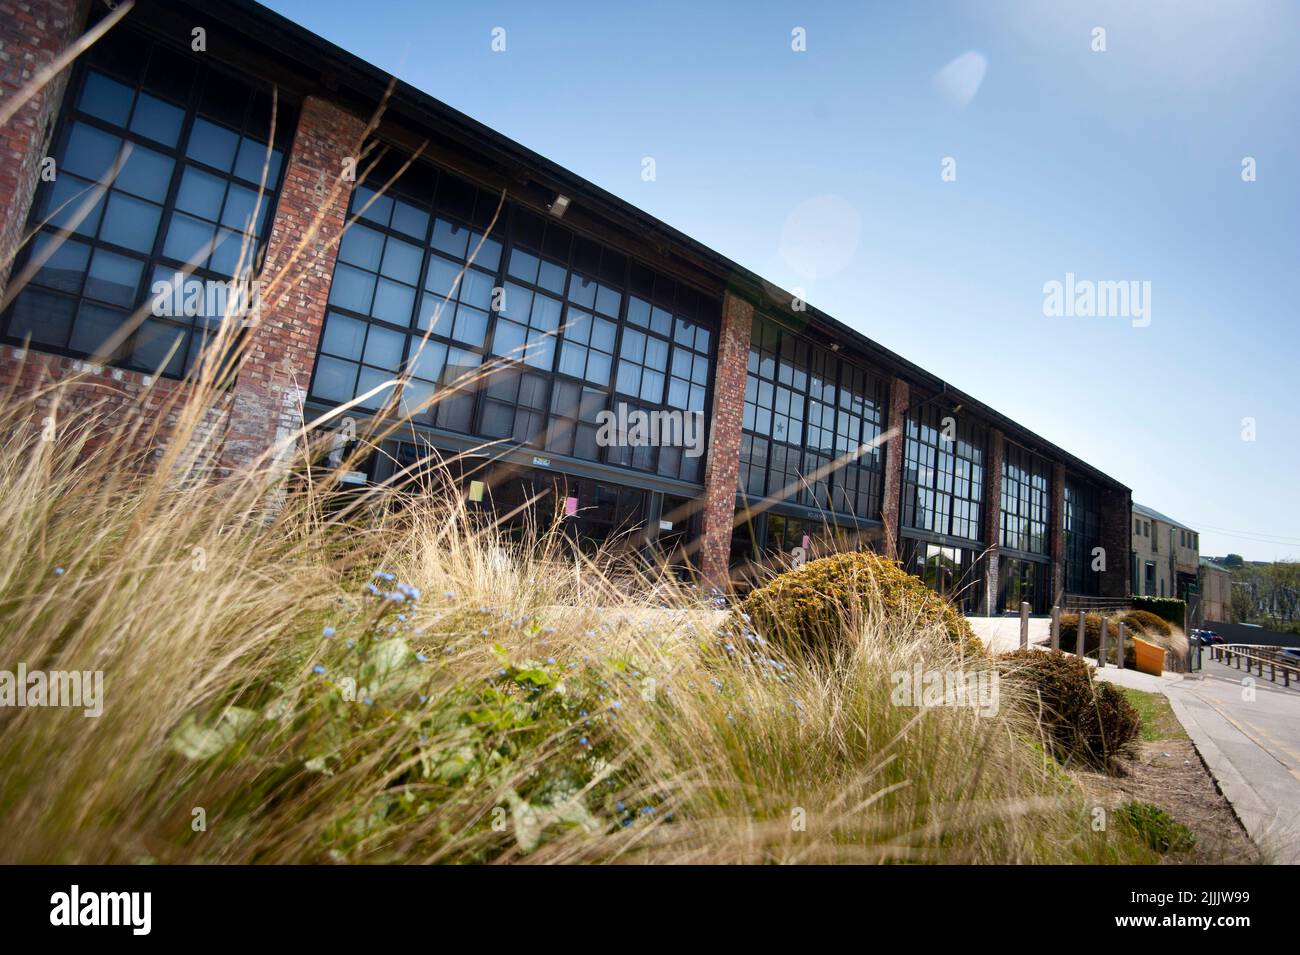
[(570, 507)]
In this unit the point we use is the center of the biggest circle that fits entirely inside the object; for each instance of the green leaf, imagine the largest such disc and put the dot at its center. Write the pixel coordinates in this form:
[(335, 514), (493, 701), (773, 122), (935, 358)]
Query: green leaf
[(194, 741)]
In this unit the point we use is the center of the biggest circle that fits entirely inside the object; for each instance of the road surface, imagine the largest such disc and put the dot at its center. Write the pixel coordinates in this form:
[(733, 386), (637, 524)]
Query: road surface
[(1249, 735)]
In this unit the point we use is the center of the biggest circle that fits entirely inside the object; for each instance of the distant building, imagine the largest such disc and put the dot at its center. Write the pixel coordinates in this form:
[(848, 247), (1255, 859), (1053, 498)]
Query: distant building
[(1166, 555), (1216, 592)]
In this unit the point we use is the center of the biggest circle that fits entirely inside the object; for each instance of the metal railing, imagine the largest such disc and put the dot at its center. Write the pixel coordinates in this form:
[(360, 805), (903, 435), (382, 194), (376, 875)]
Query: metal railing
[(1256, 657)]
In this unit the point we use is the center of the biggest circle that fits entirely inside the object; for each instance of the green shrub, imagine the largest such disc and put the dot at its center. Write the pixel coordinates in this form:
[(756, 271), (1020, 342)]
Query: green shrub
[(1156, 827), (1145, 622), (1092, 638), (1167, 608), (813, 605), (1083, 719)]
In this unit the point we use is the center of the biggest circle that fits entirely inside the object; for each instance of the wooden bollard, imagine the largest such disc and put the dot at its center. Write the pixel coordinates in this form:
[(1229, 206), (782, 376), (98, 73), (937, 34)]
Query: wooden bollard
[(1101, 650), (1078, 646), (1024, 625), (1056, 628), (1119, 650)]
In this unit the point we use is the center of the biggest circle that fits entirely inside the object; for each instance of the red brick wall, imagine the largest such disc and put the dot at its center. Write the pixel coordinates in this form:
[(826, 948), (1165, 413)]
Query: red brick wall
[(295, 282), (899, 396), (991, 520), (31, 35), (723, 463)]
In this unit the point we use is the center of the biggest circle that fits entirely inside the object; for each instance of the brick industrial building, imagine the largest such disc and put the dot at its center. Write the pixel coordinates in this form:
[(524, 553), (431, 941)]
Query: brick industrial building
[(577, 303)]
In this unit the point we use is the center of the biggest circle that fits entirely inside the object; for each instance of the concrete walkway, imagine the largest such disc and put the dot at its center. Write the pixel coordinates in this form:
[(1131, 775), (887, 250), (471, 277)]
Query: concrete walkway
[(1249, 736)]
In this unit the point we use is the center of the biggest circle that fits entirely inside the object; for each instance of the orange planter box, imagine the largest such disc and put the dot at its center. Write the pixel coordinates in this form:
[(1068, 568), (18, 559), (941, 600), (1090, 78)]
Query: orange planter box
[(1150, 657)]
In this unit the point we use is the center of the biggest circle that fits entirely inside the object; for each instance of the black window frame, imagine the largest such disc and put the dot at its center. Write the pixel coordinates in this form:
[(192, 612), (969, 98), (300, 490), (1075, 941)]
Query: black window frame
[(127, 57)]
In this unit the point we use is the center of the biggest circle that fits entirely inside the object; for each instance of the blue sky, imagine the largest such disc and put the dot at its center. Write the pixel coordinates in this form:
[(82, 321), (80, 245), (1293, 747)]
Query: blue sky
[(821, 170)]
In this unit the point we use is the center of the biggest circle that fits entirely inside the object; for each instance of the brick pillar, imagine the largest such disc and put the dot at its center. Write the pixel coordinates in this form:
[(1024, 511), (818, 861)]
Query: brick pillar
[(991, 521), (1117, 540), (723, 464), (890, 508), (31, 35), (273, 380), (1057, 531)]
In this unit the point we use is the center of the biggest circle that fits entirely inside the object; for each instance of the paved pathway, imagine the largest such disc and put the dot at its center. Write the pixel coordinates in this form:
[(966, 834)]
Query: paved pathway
[(1251, 743)]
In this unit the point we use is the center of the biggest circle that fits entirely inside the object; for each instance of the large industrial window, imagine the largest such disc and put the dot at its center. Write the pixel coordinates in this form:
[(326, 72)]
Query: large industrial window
[(1026, 500), (807, 415), (943, 478), (523, 333), (1082, 534), (190, 145)]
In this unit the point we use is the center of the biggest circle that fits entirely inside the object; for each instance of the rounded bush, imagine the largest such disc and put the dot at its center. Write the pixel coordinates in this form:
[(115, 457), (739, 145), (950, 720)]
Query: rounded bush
[(1144, 621), (811, 605), (1083, 720)]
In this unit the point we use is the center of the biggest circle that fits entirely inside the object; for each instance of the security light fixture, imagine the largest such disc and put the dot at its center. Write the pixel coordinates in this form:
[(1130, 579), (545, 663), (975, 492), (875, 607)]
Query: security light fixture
[(559, 205)]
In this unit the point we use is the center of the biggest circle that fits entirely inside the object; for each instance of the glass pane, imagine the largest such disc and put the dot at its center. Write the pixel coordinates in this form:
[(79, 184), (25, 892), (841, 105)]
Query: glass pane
[(201, 193), (65, 266), (145, 173), (154, 342), (378, 208), (427, 360), (113, 278), (94, 325), (402, 261), (602, 335), (106, 98), (252, 159), (157, 119), (409, 219), (471, 325), (441, 276), (573, 360), (509, 339), (551, 277), (598, 364), (66, 200), (343, 336), (384, 348), (90, 152), (334, 379), (656, 353), (516, 302), (362, 246), (546, 313), (608, 301), (435, 311), (352, 288), (523, 265), (476, 289), (240, 206), (212, 144), (130, 222), (394, 302), (370, 378), (450, 238), (46, 317)]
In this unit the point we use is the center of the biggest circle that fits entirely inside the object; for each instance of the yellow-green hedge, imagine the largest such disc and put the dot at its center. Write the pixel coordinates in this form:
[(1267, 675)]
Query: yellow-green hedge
[(811, 605)]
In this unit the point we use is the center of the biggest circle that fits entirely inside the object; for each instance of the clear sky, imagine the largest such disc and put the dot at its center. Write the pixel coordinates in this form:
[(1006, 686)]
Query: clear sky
[(822, 170)]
